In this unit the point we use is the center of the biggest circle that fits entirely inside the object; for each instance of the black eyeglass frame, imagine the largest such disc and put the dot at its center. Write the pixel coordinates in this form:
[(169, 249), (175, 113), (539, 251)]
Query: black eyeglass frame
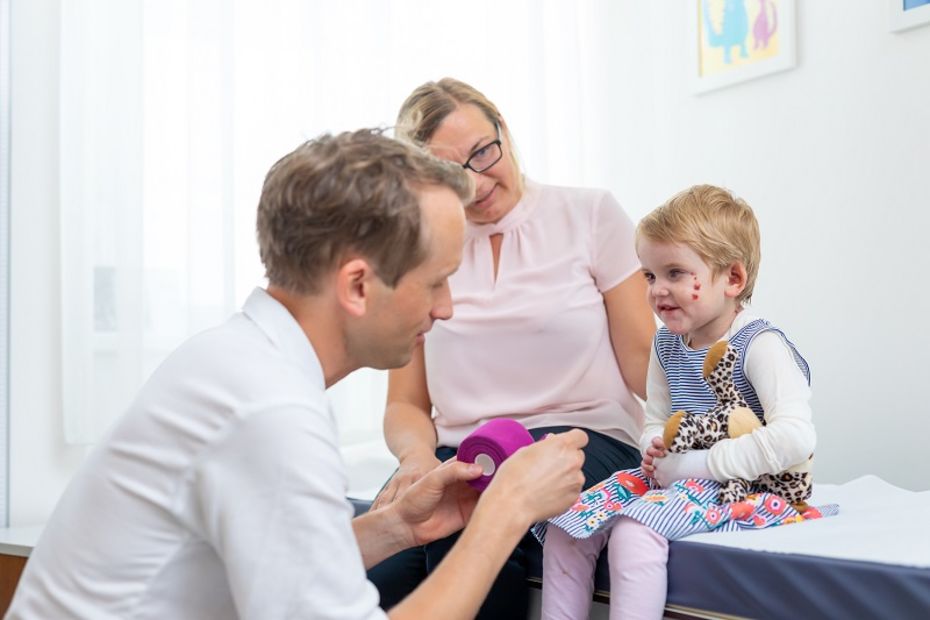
[(500, 154)]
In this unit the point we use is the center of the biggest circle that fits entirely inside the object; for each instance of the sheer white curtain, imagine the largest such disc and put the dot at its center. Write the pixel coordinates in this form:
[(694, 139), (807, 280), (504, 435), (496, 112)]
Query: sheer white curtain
[(172, 112)]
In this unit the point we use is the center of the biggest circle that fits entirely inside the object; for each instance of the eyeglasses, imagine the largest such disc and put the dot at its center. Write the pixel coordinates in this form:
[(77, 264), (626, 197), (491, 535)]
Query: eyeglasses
[(486, 156)]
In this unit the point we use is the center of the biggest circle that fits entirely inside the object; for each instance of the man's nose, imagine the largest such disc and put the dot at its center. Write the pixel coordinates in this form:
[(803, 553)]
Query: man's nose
[(442, 305)]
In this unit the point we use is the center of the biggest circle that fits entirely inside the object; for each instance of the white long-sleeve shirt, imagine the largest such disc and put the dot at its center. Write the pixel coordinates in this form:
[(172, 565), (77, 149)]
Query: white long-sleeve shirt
[(220, 494), (788, 438)]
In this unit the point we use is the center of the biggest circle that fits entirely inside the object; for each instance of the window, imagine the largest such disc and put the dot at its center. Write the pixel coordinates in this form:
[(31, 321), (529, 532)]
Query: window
[(173, 111)]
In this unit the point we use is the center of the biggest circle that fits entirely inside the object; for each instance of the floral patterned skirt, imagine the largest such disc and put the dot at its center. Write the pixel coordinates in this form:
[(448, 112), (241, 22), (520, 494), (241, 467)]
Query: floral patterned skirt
[(687, 507)]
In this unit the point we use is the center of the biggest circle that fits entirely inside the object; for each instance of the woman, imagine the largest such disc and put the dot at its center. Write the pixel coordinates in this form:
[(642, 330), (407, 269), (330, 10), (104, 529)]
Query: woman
[(550, 327)]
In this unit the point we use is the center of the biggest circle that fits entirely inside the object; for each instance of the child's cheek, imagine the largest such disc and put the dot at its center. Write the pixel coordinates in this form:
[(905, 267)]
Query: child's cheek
[(697, 286)]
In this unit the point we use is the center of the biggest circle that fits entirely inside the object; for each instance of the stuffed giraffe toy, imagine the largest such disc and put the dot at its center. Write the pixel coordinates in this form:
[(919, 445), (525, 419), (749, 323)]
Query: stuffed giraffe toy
[(731, 417)]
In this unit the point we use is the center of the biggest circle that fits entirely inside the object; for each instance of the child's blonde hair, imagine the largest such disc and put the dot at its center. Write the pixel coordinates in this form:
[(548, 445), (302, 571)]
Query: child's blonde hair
[(719, 227)]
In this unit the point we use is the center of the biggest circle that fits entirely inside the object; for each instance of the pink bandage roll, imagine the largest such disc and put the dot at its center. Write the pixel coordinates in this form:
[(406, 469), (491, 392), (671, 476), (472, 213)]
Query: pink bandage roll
[(490, 444)]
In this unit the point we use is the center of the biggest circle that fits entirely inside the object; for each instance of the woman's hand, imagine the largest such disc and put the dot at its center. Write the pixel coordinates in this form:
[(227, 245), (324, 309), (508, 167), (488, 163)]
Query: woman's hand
[(411, 469)]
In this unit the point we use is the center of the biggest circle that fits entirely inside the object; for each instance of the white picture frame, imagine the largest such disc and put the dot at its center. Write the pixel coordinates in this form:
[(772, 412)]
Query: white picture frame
[(902, 17), (722, 56)]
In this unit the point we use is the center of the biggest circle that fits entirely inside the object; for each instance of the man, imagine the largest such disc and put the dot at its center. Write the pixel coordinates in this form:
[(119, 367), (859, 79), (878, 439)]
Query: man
[(221, 493)]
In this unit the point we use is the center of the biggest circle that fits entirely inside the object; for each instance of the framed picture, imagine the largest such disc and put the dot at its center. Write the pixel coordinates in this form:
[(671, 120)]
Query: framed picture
[(737, 40), (908, 13)]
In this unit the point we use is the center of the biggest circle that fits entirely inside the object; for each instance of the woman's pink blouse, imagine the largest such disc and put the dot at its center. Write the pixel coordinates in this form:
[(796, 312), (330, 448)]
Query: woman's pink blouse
[(533, 344)]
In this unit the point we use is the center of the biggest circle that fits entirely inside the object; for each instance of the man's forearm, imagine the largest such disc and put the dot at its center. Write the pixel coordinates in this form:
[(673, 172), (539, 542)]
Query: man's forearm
[(380, 534), (462, 580)]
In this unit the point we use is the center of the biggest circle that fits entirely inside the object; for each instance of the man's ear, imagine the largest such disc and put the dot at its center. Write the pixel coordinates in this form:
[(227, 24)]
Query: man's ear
[(354, 281), (736, 279)]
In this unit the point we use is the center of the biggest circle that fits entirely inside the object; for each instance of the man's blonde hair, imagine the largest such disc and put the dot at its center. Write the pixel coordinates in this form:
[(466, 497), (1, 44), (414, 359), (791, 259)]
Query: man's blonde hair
[(719, 227), (351, 193)]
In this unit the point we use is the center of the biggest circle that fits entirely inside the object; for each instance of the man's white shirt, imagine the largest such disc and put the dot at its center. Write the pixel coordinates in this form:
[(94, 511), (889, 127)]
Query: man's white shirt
[(219, 494)]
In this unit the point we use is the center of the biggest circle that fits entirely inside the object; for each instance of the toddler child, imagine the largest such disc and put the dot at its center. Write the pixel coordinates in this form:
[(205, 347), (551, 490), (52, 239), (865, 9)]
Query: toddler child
[(700, 256)]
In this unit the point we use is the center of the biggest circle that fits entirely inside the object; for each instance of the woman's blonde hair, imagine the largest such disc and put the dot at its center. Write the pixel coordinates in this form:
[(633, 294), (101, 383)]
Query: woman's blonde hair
[(719, 227), (429, 104)]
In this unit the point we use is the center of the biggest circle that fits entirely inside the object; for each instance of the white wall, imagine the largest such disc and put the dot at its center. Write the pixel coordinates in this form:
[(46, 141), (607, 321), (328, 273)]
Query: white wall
[(831, 155)]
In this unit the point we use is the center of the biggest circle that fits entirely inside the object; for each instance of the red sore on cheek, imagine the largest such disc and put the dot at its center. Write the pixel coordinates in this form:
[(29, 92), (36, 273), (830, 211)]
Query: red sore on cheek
[(694, 297)]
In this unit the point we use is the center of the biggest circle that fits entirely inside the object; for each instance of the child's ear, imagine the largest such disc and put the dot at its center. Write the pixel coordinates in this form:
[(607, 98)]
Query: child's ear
[(736, 279)]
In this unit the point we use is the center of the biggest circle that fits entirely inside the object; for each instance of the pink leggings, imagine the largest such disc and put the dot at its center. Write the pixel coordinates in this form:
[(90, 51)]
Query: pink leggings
[(638, 577)]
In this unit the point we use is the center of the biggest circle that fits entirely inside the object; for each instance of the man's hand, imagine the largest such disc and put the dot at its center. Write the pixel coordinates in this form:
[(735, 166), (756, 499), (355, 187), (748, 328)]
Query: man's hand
[(536, 482), (411, 469), (440, 503), (540, 480)]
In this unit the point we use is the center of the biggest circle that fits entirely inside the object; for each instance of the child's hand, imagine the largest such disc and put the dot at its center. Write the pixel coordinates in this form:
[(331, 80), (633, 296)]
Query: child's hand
[(655, 451), (672, 467), (657, 444)]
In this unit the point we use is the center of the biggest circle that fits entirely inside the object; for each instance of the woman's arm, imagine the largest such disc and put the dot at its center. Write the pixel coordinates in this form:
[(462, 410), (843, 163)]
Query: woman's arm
[(788, 437), (632, 327), (408, 427)]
